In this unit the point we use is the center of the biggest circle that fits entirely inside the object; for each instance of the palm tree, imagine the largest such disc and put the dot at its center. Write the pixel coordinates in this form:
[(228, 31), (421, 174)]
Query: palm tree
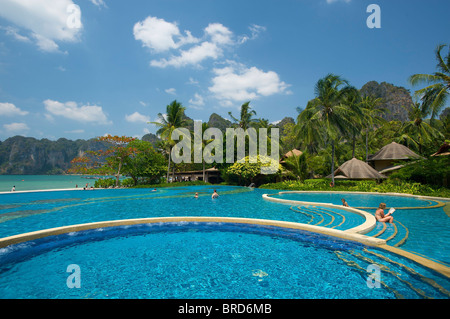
[(204, 142), (326, 118), (167, 123), (417, 132), (438, 89), (297, 165), (372, 115), (245, 119), (353, 101)]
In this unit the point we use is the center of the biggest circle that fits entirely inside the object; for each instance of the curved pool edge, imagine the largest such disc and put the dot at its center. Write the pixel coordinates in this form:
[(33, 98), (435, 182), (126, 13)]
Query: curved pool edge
[(368, 193), (369, 223), (345, 235), (20, 238)]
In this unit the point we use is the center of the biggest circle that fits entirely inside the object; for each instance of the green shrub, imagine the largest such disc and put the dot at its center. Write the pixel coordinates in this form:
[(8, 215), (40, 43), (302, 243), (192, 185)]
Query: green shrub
[(391, 185), (105, 183)]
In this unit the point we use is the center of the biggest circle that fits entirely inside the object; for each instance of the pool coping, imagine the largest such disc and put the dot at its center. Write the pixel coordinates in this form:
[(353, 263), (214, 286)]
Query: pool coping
[(350, 236), (369, 223), (288, 191)]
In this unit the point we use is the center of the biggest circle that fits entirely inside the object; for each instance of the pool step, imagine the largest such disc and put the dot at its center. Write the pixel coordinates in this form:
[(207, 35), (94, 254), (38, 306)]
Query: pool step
[(395, 272), (395, 234), (320, 216)]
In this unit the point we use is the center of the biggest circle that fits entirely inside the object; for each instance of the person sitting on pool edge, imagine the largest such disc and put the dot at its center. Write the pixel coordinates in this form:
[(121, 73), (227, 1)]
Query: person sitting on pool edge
[(344, 202), (215, 195), (381, 217)]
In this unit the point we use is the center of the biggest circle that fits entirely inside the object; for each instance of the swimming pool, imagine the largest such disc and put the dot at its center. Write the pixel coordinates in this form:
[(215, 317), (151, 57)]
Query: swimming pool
[(22, 213), (208, 260)]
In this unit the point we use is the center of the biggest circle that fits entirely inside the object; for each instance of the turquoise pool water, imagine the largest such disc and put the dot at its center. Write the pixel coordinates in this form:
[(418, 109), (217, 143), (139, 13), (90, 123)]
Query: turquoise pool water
[(20, 213), (427, 228), (208, 260), (429, 234)]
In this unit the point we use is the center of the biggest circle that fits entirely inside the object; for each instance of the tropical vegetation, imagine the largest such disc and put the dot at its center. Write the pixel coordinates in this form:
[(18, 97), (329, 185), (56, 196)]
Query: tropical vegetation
[(338, 124)]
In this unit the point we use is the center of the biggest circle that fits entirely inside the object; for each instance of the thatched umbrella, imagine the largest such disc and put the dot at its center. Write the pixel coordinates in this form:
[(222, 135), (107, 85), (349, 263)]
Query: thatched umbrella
[(356, 169)]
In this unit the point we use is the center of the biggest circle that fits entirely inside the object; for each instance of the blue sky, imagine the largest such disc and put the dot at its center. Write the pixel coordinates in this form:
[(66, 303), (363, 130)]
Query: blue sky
[(109, 66)]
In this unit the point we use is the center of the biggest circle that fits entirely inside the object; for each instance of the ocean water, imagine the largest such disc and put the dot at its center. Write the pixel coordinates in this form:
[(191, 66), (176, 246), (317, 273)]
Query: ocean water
[(35, 182)]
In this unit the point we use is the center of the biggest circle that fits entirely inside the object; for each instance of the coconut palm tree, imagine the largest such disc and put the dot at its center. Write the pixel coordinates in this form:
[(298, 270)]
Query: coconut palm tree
[(202, 146), (372, 115), (417, 132), (438, 89), (245, 119), (353, 101), (326, 118), (167, 123)]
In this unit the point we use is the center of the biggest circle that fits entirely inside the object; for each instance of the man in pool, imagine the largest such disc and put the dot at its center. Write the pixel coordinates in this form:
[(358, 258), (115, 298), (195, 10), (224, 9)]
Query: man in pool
[(215, 195), (344, 202), (381, 217)]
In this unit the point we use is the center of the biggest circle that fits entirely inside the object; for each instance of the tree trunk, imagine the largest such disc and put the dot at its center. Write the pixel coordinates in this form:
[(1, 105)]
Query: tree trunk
[(168, 168), (204, 170), (118, 173), (332, 163), (354, 144), (367, 145)]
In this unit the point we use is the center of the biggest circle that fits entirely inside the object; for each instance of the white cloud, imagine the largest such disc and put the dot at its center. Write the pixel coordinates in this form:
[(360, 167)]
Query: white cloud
[(70, 110), (14, 32), (255, 30), (194, 56), (98, 3), (192, 81), (172, 91), (9, 109), (219, 34), (47, 22), (16, 128), (197, 102), (238, 83), (160, 35), (137, 117)]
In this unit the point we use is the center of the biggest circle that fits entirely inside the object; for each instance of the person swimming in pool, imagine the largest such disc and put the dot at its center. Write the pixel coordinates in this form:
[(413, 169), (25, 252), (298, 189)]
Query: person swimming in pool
[(215, 195), (344, 203), (196, 195), (381, 217)]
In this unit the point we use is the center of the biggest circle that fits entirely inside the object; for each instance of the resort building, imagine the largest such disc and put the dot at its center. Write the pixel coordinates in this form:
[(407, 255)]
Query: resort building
[(212, 175), (387, 159)]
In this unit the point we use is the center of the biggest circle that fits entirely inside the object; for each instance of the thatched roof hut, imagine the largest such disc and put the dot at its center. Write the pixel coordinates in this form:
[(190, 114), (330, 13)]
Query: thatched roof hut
[(356, 169), (293, 152), (391, 153), (444, 150)]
